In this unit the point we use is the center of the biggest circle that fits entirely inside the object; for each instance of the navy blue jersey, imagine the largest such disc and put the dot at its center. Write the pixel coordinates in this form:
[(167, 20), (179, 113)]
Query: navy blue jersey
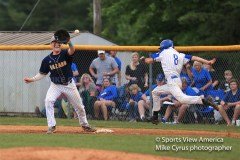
[(59, 67)]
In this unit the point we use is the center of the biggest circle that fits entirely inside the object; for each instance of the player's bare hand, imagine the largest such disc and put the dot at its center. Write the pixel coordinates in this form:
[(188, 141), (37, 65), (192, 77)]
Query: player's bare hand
[(28, 80), (211, 62)]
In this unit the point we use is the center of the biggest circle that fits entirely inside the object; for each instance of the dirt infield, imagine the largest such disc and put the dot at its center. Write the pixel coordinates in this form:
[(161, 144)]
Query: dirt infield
[(129, 131), (50, 153)]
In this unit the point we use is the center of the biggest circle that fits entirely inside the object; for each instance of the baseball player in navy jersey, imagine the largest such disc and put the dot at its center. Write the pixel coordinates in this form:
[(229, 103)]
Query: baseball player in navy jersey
[(172, 63), (58, 63)]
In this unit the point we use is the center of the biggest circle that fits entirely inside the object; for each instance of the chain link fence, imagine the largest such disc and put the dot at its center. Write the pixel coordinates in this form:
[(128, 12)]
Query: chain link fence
[(133, 85)]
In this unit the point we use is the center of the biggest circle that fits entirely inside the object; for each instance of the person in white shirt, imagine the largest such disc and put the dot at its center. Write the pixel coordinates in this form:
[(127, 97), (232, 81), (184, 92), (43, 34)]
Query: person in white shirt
[(172, 63)]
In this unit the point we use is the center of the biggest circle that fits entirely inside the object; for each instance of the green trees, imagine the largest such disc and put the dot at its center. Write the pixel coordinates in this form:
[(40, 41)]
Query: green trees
[(49, 15)]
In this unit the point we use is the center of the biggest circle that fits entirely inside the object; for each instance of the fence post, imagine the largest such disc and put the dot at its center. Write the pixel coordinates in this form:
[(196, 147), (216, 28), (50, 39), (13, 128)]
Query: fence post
[(150, 86)]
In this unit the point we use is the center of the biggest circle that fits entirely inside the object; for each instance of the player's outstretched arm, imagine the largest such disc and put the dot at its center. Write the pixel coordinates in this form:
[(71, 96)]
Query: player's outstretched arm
[(38, 77), (71, 49), (28, 80), (199, 59)]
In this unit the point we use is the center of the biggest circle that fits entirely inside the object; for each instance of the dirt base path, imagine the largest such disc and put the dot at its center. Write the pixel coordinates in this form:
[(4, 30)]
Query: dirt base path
[(129, 131), (50, 153)]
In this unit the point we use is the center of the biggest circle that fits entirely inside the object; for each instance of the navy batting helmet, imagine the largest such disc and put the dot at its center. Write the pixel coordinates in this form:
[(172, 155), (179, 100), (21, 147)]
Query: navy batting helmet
[(165, 44)]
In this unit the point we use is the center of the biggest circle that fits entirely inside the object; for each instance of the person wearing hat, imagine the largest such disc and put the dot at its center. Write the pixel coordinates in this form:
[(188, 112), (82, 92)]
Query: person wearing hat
[(172, 63), (58, 63), (144, 103), (105, 66)]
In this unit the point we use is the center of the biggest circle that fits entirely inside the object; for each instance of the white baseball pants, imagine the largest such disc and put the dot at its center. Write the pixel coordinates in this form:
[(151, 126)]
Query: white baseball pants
[(72, 94), (173, 87)]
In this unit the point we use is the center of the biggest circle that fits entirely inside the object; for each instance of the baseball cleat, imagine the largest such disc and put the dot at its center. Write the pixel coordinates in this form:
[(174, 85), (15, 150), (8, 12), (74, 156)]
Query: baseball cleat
[(51, 130), (88, 129)]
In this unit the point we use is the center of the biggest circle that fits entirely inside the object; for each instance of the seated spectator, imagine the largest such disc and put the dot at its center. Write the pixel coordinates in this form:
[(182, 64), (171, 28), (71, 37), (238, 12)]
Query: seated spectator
[(144, 103), (136, 72), (181, 107), (201, 79), (105, 100), (57, 104), (186, 73), (213, 74), (231, 103), (135, 97), (224, 85), (87, 90)]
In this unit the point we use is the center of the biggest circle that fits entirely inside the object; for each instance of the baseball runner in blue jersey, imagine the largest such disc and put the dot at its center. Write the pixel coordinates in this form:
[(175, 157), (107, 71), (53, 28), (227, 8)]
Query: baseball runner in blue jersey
[(172, 63), (58, 63)]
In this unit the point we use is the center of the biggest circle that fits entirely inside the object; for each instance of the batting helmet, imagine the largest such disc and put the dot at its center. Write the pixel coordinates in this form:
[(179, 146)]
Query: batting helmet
[(165, 44)]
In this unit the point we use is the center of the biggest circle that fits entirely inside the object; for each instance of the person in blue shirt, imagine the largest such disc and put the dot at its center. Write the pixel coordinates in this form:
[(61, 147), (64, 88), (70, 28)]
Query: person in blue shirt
[(118, 76), (75, 71), (231, 103), (186, 73), (201, 78), (181, 107), (144, 103), (135, 97), (106, 99)]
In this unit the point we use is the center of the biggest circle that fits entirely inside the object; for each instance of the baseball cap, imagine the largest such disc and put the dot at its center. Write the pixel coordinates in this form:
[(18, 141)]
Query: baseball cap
[(160, 77), (101, 52)]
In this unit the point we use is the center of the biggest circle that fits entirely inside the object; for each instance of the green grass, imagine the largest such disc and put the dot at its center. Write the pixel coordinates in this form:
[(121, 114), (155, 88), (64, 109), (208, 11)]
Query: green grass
[(131, 143), (116, 124)]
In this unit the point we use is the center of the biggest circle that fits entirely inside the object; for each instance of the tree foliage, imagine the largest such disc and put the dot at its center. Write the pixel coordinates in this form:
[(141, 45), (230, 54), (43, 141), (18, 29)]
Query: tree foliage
[(48, 15), (193, 22)]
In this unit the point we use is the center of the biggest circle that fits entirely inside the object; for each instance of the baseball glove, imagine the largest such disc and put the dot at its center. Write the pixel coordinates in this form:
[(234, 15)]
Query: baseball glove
[(62, 36)]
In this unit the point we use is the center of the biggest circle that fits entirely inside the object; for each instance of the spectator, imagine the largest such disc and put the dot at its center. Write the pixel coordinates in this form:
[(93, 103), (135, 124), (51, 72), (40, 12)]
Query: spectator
[(118, 76), (87, 90), (144, 103), (57, 104), (105, 66), (231, 103), (201, 78), (213, 75), (136, 72), (135, 97), (105, 100), (181, 107), (75, 72), (224, 85), (186, 73)]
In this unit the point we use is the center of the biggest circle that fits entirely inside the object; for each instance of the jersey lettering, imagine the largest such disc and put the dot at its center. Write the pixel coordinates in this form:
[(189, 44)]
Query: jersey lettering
[(58, 65), (175, 59)]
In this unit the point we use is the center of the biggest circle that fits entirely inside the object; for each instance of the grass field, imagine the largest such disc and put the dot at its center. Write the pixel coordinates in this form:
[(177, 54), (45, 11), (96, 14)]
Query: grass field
[(131, 143)]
